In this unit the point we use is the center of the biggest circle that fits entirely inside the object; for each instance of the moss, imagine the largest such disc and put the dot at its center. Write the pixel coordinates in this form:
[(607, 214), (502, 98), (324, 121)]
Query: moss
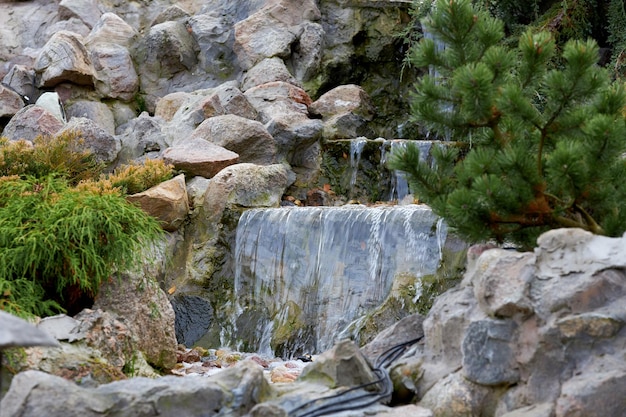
[(288, 327)]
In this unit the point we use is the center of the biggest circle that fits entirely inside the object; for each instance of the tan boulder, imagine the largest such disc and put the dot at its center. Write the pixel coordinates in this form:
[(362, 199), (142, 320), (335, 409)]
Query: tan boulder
[(167, 202), (199, 157), (64, 58)]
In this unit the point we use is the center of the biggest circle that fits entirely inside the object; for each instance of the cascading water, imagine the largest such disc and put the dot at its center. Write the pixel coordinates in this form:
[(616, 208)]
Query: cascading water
[(398, 187), (305, 273)]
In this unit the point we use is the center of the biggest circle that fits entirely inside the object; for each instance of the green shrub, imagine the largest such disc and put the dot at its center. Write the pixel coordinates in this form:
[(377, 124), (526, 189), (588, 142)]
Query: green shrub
[(54, 237), (541, 147)]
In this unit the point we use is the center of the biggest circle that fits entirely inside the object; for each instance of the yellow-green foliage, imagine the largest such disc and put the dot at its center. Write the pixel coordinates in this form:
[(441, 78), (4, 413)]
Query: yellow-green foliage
[(63, 155), (65, 226), (130, 179), (136, 178)]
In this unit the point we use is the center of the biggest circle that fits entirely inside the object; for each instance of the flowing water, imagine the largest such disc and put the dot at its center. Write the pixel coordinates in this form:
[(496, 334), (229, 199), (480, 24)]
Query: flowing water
[(304, 274)]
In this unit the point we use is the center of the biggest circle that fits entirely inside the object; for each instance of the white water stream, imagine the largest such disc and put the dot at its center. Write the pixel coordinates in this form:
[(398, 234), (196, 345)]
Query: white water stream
[(315, 270)]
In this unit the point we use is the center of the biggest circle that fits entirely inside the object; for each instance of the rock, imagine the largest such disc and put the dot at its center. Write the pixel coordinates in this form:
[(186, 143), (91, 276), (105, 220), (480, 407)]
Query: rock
[(595, 396), (498, 297), (488, 357), (346, 111), (103, 332), (278, 97), (22, 80), (18, 332), (234, 393), (103, 145), (199, 157), (266, 71), (409, 410), (60, 326), (76, 362), (405, 329), (283, 109), (344, 99), (167, 50), (193, 318), (31, 122), (248, 138), (272, 31), (247, 185), (140, 138), (342, 366), (536, 410), (215, 36), (112, 30), (85, 10), (10, 102), (174, 12), (115, 73), (135, 298), (52, 103), (306, 58), (455, 396), (96, 111), (64, 58), (227, 99), (166, 107), (166, 202), (196, 188)]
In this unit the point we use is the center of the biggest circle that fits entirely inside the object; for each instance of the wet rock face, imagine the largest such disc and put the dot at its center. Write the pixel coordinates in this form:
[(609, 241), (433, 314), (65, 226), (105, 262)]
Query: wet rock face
[(194, 315)]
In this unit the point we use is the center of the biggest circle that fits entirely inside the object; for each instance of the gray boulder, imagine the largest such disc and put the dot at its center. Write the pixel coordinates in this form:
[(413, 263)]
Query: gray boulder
[(10, 102), (111, 29), (135, 298), (104, 146), (30, 122), (85, 10), (346, 111), (115, 73), (233, 392), (272, 31), (165, 54), (266, 71), (64, 58), (96, 111), (215, 37), (141, 137), (248, 138)]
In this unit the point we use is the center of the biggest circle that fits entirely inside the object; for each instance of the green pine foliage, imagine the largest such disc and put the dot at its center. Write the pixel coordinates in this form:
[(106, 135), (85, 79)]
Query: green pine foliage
[(64, 227), (534, 147)]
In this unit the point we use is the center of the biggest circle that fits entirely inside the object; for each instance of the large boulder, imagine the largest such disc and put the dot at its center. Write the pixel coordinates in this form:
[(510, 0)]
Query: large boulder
[(136, 299), (10, 102), (167, 202), (64, 58), (199, 157), (272, 31), (248, 138), (233, 392), (101, 143), (527, 328), (141, 137), (111, 29), (164, 56), (30, 122)]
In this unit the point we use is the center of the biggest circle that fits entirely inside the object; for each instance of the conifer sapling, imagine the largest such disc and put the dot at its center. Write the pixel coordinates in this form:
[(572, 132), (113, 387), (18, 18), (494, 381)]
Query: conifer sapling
[(533, 146)]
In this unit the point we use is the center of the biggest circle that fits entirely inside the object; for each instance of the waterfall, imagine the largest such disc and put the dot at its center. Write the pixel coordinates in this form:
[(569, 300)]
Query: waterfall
[(398, 187), (311, 271), (356, 150)]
